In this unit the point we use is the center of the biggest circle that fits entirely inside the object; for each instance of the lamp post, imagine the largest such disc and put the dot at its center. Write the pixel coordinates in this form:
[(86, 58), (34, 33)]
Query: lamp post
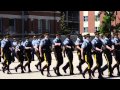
[(23, 24)]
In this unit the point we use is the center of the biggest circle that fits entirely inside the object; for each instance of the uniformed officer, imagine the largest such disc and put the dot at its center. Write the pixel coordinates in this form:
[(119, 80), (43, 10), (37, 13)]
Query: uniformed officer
[(69, 48), (20, 51), (28, 52), (78, 44), (108, 53), (116, 42), (14, 44), (57, 45), (86, 54), (6, 53), (36, 49), (97, 46), (45, 51)]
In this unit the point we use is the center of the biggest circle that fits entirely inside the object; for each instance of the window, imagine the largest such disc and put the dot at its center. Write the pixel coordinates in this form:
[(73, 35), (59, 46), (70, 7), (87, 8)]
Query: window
[(85, 29), (85, 18), (39, 26), (0, 25), (96, 28), (12, 25), (97, 18), (47, 26)]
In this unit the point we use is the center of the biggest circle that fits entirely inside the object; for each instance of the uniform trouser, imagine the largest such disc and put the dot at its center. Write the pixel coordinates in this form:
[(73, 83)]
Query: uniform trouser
[(80, 61), (89, 61), (47, 58), (21, 59), (70, 63), (59, 58), (33, 52), (8, 60), (108, 57), (99, 61), (29, 58), (39, 58), (117, 58)]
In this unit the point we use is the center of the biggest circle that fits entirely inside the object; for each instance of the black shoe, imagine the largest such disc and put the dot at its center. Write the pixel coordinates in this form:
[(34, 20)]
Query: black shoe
[(64, 70), (83, 74), (22, 72), (16, 69), (100, 77), (3, 69), (71, 73), (42, 71), (29, 71), (8, 72), (110, 75), (93, 74), (48, 75), (59, 74), (90, 77), (55, 70), (24, 68), (36, 66), (118, 73)]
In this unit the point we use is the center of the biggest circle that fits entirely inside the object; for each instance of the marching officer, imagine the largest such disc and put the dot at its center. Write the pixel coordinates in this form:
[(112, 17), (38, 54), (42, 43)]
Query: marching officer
[(28, 51), (41, 59), (86, 54), (108, 53), (45, 51), (78, 44), (6, 46), (36, 51), (97, 46), (20, 51), (14, 44), (69, 48), (116, 42), (57, 45)]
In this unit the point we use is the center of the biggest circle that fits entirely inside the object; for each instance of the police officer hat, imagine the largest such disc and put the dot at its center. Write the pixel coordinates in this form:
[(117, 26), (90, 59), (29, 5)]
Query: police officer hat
[(97, 33), (7, 36)]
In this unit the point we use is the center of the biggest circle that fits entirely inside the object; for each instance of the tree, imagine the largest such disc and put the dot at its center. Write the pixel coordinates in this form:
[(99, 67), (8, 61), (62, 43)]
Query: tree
[(106, 26), (63, 28)]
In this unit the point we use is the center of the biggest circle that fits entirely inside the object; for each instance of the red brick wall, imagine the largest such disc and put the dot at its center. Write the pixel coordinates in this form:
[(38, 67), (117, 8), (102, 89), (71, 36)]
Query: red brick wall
[(5, 24), (18, 25), (81, 22), (91, 21)]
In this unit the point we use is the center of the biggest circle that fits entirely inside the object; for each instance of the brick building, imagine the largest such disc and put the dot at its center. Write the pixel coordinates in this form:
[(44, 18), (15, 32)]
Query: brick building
[(29, 22), (90, 22)]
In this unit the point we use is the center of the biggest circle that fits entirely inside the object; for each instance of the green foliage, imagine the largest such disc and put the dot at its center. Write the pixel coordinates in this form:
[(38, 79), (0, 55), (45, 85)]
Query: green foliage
[(63, 28), (106, 26)]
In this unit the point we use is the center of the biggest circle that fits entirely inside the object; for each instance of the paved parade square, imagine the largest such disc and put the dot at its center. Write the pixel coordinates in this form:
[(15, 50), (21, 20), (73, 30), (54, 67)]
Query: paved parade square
[(35, 74)]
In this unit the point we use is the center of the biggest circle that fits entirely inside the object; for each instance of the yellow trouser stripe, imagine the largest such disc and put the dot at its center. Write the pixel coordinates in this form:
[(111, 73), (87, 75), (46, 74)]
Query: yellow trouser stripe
[(86, 59), (107, 62), (45, 59)]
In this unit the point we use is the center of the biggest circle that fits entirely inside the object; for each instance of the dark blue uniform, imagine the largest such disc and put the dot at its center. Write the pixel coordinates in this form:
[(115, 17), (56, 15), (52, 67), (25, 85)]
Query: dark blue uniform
[(28, 53), (57, 43), (87, 53), (7, 50), (20, 55), (46, 44), (108, 55), (79, 43), (116, 42), (97, 43), (69, 53)]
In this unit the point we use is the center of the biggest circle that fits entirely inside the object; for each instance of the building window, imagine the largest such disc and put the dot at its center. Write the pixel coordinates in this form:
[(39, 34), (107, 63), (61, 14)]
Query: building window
[(97, 18), (39, 26), (85, 29), (96, 29), (48, 26), (85, 18), (0, 25), (12, 26)]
